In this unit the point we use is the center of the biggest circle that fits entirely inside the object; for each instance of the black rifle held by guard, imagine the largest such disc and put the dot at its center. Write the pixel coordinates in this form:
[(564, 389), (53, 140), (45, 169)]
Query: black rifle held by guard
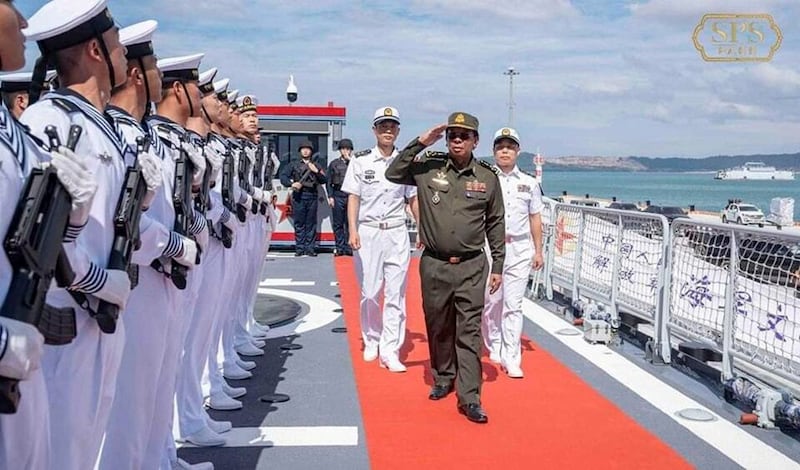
[(227, 195), (182, 201), (34, 248), (126, 232), (202, 200)]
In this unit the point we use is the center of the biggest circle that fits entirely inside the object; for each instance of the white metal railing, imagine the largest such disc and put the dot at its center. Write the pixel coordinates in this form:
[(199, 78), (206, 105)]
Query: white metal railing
[(730, 287)]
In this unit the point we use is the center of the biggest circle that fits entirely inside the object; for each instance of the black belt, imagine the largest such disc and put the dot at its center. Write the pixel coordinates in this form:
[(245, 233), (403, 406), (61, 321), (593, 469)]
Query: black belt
[(453, 258)]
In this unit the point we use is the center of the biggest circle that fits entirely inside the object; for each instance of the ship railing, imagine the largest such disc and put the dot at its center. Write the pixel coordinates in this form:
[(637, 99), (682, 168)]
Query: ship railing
[(732, 289), (736, 289), (612, 257)]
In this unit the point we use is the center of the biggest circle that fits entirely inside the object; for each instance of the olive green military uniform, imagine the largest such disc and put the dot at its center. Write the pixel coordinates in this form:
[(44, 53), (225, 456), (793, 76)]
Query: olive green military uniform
[(459, 210)]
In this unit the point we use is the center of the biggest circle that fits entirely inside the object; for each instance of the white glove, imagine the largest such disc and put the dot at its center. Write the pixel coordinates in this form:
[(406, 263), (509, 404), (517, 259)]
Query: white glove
[(258, 195), (21, 347), (199, 162), (188, 254), (230, 221), (215, 159), (73, 172), (116, 289), (151, 172)]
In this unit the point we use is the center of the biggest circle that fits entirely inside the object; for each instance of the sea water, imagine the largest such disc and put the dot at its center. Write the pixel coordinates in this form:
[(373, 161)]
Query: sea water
[(668, 188)]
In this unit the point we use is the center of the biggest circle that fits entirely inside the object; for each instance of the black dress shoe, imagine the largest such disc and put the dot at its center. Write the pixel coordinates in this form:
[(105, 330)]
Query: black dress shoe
[(439, 391), (474, 413), (311, 253)]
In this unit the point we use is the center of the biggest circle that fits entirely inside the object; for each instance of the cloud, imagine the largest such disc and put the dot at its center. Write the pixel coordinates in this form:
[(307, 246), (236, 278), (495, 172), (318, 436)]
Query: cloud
[(596, 76)]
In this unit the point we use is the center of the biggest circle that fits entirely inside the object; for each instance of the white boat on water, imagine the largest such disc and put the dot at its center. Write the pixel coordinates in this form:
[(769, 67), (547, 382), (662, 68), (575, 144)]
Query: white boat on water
[(754, 171)]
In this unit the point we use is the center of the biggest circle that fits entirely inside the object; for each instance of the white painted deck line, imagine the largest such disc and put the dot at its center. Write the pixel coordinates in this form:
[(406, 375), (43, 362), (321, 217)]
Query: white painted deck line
[(285, 282), (728, 438), (321, 312), (289, 436)]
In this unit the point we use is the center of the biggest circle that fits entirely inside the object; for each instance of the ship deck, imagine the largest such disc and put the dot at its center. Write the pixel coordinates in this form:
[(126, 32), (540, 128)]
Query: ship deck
[(579, 405)]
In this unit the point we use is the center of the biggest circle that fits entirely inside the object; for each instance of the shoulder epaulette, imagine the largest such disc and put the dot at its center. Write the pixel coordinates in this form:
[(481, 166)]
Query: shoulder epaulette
[(528, 173), (489, 167), (361, 153)]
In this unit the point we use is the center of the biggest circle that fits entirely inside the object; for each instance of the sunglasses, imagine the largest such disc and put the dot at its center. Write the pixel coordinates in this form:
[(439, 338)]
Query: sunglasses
[(464, 135)]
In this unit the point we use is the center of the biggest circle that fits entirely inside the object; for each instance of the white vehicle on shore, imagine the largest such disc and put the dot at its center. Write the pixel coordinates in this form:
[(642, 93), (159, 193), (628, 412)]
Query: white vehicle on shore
[(742, 213)]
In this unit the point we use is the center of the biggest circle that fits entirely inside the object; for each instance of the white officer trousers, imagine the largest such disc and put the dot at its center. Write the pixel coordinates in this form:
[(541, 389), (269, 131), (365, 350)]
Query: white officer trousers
[(502, 314), (161, 428), (151, 307), (260, 248), (25, 435), (232, 329), (188, 394), (251, 277), (382, 265), (81, 382)]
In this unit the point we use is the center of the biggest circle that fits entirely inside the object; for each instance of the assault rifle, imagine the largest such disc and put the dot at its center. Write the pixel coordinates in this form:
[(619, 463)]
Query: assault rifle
[(126, 232), (34, 248), (227, 195), (182, 200), (201, 200)]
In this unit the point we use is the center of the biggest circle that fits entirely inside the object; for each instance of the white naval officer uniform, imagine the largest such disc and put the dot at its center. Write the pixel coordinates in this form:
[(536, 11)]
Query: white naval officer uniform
[(502, 317), (24, 435), (382, 262)]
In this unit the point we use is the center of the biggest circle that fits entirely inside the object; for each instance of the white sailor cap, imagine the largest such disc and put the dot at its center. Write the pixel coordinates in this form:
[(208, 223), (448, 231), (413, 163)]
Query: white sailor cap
[(232, 97), (221, 88), (61, 24), (183, 68), (138, 39), (205, 81), (506, 133), (247, 103), (21, 81), (387, 112)]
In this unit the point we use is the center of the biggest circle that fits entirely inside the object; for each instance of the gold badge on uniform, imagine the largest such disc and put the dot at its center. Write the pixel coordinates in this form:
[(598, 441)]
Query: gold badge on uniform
[(436, 199), (387, 112), (247, 101), (459, 119), (441, 179), (505, 132)]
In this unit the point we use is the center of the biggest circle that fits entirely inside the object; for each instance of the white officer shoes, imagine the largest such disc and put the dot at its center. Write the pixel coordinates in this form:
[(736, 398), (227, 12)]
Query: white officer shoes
[(370, 353), (248, 349), (222, 402), (205, 437), (246, 365), (219, 427), (515, 372), (234, 372), (393, 364), (234, 392)]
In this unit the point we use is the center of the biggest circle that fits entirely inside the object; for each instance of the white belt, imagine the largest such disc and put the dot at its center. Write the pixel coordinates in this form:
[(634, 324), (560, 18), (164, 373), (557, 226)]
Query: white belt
[(385, 225)]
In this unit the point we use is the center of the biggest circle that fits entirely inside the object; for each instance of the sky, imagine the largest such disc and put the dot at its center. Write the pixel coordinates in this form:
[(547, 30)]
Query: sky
[(596, 77)]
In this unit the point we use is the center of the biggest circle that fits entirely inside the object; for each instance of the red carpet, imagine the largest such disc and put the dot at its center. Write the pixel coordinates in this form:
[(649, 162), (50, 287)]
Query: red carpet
[(549, 419)]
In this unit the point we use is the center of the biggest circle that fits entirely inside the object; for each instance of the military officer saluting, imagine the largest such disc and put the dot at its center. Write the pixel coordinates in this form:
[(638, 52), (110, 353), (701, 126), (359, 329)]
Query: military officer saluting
[(461, 206), (337, 198)]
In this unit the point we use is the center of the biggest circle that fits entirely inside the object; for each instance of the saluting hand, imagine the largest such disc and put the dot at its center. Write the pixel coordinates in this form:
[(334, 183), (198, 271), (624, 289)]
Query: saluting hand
[(432, 135), (494, 282)]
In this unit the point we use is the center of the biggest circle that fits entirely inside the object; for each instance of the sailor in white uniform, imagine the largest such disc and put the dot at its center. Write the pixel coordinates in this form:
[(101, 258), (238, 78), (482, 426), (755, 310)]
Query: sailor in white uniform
[(83, 373), (194, 425), (153, 302), (181, 100), (522, 197), (25, 435), (14, 90), (379, 238)]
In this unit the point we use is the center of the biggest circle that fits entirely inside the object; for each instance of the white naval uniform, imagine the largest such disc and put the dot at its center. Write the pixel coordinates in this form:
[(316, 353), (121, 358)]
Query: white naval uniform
[(150, 307), (81, 376), (382, 261), (24, 435), (161, 426), (502, 315), (188, 394)]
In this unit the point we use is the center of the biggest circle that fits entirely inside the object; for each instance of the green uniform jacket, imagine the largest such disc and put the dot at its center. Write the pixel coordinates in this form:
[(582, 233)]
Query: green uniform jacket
[(459, 209)]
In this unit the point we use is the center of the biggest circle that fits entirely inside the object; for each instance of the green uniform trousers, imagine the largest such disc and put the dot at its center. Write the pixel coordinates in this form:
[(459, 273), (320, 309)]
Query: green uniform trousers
[(452, 299)]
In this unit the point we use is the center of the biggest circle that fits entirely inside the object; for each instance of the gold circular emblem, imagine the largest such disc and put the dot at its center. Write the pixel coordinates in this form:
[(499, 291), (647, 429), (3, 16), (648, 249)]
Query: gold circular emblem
[(459, 119), (388, 112), (506, 132), (247, 101)]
